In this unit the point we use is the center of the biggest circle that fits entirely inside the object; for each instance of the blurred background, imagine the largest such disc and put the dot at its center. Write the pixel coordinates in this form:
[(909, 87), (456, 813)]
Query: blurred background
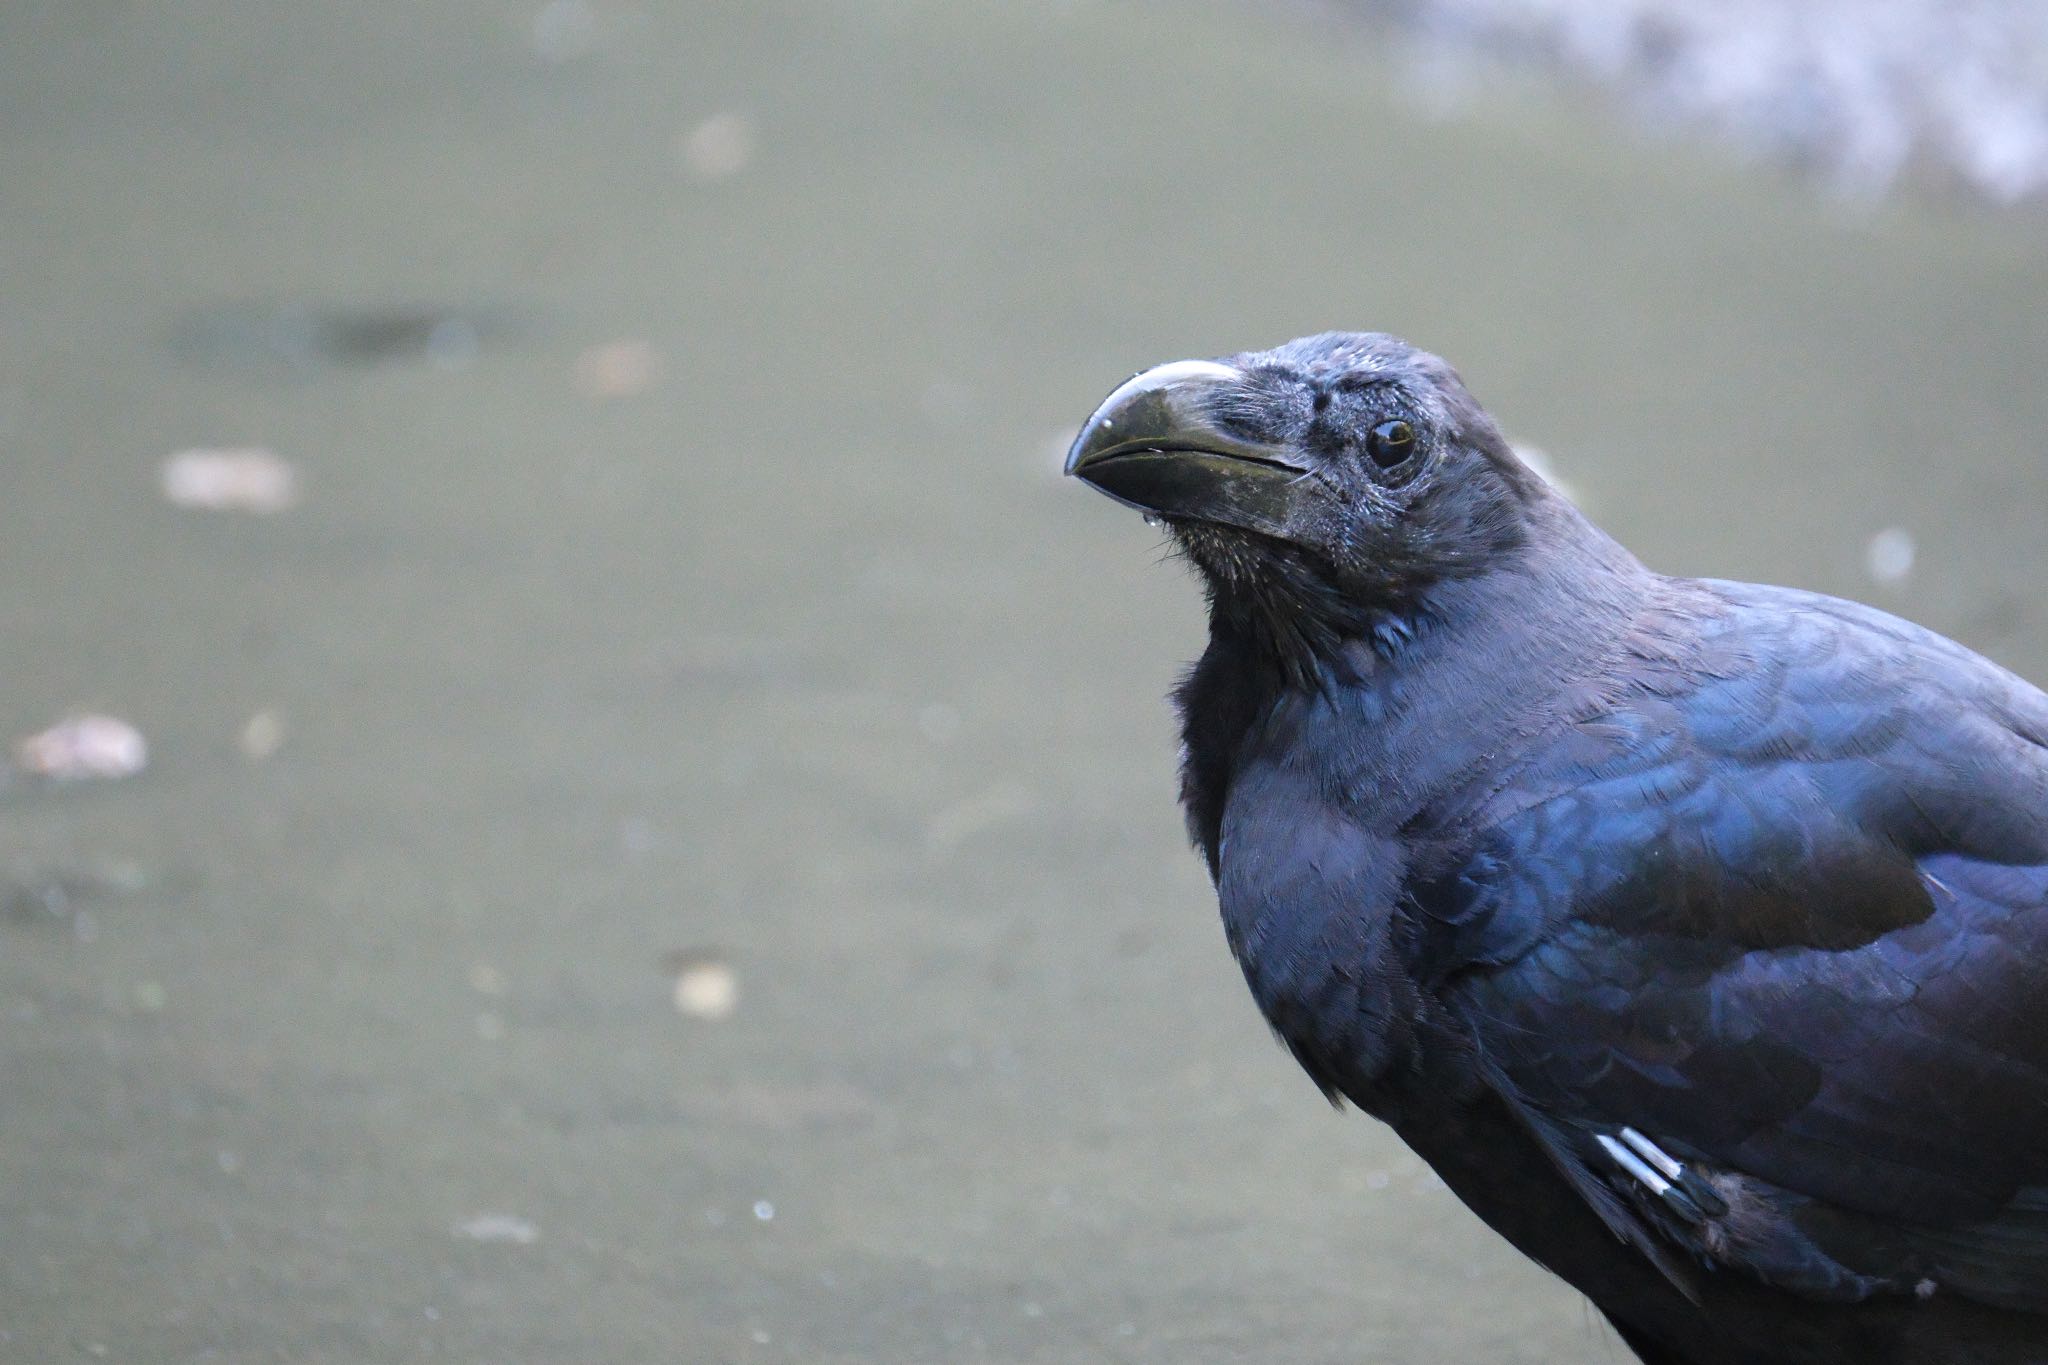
[(580, 790)]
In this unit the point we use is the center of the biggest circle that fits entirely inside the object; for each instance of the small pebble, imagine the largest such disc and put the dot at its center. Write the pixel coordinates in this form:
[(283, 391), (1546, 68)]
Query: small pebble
[(248, 479), (498, 1227), (706, 987), (1889, 556), (262, 736), (84, 746), (617, 369), (764, 1211)]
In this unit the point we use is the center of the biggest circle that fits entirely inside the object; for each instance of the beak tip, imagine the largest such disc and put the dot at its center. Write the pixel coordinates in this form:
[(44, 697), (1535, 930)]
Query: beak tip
[(1145, 401), (1073, 460), (1086, 445)]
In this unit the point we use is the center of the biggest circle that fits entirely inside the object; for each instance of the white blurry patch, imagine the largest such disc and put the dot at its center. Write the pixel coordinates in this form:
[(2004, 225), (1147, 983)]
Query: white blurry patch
[(262, 735), (84, 746), (241, 479), (1889, 556), (1859, 92), (706, 987), (720, 146), (504, 1228), (617, 369)]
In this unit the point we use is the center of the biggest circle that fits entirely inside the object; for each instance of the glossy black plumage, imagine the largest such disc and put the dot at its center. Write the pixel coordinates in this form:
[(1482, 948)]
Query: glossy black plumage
[(1521, 845)]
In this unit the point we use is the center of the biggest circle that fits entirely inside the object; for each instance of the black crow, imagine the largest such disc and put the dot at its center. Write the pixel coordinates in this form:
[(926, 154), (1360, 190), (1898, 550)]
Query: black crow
[(1695, 932)]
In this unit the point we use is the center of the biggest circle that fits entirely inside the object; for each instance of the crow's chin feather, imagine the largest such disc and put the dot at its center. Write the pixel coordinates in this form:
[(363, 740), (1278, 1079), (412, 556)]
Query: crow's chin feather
[(1283, 609)]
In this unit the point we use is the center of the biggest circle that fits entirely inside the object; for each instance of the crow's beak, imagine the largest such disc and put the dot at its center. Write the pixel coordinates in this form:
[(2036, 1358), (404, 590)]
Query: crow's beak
[(1155, 445)]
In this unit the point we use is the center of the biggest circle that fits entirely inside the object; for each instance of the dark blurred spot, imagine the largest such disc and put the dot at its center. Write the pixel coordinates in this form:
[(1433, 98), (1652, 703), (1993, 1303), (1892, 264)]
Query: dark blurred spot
[(307, 337), (65, 897)]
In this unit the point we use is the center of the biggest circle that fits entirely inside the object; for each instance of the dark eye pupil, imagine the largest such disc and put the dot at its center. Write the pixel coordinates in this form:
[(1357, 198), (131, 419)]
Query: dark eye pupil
[(1390, 443)]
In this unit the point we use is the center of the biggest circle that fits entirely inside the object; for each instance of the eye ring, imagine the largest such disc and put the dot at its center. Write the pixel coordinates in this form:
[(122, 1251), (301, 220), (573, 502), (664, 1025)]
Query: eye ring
[(1391, 443)]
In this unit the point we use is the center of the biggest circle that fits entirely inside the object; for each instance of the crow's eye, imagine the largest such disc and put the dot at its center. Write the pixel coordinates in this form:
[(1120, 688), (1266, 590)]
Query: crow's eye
[(1390, 443)]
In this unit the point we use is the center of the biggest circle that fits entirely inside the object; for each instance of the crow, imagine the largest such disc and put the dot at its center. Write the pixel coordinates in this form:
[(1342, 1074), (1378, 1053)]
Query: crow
[(1694, 932)]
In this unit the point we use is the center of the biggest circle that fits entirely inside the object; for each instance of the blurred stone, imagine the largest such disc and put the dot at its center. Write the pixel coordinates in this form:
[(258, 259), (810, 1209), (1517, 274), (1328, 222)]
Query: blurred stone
[(1889, 556), (617, 369), (302, 337), (505, 1228), (706, 987), (84, 746), (249, 479), (262, 735), (63, 894)]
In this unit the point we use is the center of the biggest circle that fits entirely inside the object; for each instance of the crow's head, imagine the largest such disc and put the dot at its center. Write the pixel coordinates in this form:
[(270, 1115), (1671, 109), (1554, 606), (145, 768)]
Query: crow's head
[(1341, 473)]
